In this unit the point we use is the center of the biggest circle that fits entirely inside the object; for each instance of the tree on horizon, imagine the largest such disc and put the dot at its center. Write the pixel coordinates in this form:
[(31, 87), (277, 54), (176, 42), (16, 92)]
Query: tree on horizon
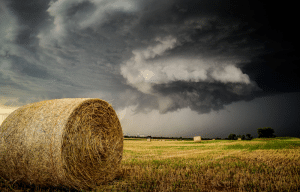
[(232, 137), (248, 136), (266, 132)]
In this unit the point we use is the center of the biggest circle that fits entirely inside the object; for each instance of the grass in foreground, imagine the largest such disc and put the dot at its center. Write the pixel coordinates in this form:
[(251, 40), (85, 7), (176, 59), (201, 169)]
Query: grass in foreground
[(257, 165)]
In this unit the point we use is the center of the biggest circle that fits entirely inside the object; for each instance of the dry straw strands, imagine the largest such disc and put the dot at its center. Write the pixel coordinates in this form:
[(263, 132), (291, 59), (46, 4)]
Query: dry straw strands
[(77, 143), (197, 139)]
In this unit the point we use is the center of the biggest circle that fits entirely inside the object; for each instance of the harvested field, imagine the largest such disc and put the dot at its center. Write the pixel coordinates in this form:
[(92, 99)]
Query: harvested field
[(209, 166)]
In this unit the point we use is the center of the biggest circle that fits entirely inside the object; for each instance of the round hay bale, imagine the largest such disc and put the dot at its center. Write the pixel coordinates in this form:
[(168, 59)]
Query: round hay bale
[(197, 139), (77, 143)]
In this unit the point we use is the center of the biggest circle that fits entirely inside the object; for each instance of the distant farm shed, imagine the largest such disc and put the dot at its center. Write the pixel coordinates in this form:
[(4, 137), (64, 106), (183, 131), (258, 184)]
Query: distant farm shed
[(197, 139)]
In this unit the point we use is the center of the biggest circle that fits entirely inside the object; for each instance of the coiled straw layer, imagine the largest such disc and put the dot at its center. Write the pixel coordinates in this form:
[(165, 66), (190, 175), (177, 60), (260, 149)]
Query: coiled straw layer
[(77, 143)]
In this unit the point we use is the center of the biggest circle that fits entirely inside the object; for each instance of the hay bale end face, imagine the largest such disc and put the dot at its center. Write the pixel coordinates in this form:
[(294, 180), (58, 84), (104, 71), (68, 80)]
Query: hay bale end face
[(239, 139), (77, 143), (197, 139)]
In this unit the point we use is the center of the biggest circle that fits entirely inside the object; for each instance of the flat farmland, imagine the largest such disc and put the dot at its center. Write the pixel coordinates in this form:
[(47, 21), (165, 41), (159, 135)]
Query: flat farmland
[(213, 165), (219, 165)]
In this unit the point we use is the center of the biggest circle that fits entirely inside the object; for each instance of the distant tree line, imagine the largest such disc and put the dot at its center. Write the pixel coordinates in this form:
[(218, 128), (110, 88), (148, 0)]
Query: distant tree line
[(243, 137), (266, 132)]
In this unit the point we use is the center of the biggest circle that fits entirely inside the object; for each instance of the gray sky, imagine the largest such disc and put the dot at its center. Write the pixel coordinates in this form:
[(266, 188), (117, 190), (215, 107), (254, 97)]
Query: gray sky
[(171, 67)]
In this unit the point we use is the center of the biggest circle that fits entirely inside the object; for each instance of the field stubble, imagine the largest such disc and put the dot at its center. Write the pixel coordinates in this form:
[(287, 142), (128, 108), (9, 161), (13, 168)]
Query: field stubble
[(257, 165), (271, 165)]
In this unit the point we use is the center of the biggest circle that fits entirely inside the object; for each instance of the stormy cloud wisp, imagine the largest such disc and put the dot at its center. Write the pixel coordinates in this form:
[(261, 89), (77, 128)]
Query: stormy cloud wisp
[(168, 55)]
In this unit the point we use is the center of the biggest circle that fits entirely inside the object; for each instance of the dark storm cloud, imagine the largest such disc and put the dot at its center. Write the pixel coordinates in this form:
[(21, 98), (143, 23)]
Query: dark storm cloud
[(159, 55), (205, 35), (32, 17), (198, 96), (21, 67)]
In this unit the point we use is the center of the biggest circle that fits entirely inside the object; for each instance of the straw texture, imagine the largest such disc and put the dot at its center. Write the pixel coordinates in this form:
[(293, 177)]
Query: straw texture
[(197, 139), (77, 143)]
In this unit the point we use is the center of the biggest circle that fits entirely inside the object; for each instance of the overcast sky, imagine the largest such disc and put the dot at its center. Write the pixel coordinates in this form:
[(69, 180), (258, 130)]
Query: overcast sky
[(168, 67)]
